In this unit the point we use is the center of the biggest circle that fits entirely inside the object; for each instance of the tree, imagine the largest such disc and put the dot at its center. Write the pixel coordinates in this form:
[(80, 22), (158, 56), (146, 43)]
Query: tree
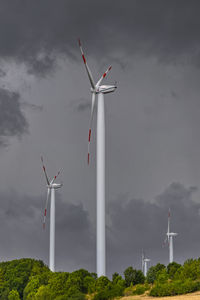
[(101, 283), (34, 283), (153, 272), (133, 276), (172, 268), (4, 286), (43, 293), (89, 284), (190, 269), (17, 272), (115, 276), (13, 295), (162, 276), (76, 279), (57, 283)]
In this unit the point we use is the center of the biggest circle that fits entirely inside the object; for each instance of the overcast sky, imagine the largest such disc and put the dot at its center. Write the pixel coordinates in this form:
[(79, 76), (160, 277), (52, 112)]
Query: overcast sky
[(152, 128)]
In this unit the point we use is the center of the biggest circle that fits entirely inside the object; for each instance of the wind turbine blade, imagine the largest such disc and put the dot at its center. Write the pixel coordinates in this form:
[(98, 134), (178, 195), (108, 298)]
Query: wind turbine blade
[(53, 180), (168, 228), (44, 169), (90, 127), (45, 210), (86, 66), (103, 76), (142, 260), (166, 241)]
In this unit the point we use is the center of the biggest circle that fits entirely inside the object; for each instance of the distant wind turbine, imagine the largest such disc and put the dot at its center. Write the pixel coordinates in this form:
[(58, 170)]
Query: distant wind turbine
[(51, 187), (100, 167), (145, 264), (169, 239)]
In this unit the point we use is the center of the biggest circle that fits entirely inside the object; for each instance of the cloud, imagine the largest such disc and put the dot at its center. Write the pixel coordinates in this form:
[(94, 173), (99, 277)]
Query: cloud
[(38, 33), (31, 106), (12, 119), (136, 224), (81, 105), (133, 224), (21, 229)]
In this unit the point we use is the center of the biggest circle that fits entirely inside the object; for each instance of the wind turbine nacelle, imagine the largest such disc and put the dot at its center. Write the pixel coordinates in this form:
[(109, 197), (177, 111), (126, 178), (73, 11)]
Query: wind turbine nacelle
[(172, 234), (55, 186), (105, 89)]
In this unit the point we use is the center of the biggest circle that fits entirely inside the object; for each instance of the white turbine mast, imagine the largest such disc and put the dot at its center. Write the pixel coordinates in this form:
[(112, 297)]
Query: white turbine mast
[(145, 262), (51, 187), (169, 239), (100, 164)]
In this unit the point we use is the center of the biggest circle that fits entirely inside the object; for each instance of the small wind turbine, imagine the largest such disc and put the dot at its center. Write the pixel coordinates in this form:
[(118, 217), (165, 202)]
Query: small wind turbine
[(169, 238), (145, 264), (51, 187), (100, 167)]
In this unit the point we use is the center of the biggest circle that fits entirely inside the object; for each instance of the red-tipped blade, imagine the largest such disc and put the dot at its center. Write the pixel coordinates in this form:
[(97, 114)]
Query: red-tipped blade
[(44, 169), (90, 127), (89, 136), (45, 210), (55, 177), (103, 76), (86, 65)]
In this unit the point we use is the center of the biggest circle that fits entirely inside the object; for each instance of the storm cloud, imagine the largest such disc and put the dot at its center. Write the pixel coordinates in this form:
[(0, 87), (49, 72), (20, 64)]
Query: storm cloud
[(38, 34), (138, 224), (23, 235), (132, 225), (12, 119)]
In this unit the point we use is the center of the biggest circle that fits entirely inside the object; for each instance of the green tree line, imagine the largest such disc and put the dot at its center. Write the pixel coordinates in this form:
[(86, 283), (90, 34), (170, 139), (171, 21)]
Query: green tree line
[(29, 279)]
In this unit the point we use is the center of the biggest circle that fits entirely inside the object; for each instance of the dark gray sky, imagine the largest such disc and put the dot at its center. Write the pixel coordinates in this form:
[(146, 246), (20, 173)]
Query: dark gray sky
[(152, 128)]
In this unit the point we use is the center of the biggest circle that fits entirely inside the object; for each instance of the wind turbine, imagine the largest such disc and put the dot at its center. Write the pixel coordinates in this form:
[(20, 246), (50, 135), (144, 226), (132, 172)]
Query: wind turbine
[(100, 90), (145, 264), (51, 187), (169, 238)]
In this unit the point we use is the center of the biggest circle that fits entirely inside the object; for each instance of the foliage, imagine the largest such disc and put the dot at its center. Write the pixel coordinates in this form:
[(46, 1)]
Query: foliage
[(138, 289), (101, 283), (89, 284), (29, 279), (172, 268), (76, 279), (16, 273), (109, 292), (43, 293), (175, 288), (107, 289), (13, 295), (153, 272), (4, 286), (115, 276), (162, 276), (34, 283), (190, 269), (133, 276)]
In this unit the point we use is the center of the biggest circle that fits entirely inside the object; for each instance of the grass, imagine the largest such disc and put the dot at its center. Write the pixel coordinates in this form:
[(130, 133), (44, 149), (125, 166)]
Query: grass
[(192, 296)]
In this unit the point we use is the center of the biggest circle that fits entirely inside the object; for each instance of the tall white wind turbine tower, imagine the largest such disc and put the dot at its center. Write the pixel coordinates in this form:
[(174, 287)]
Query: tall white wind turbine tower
[(170, 236), (100, 90), (145, 262), (51, 187)]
